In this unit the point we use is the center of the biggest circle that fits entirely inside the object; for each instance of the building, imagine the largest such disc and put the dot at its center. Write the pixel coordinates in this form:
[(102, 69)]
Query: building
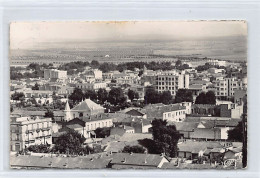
[(121, 130), (137, 161), (227, 87), (172, 81), (54, 74), (91, 85), (27, 131), (83, 109), (231, 110), (215, 62), (173, 112)]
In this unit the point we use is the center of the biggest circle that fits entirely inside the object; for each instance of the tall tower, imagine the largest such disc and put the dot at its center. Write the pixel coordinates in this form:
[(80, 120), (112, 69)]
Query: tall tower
[(67, 115)]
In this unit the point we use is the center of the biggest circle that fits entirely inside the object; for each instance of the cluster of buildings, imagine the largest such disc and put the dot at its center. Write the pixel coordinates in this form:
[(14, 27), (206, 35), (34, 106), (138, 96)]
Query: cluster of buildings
[(203, 127)]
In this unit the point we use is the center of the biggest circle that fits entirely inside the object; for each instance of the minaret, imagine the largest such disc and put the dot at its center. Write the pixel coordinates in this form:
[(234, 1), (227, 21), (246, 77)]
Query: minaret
[(67, 111)]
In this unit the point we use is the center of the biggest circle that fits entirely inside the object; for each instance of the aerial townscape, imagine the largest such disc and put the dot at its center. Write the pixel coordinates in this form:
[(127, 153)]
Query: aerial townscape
[(147, 112)]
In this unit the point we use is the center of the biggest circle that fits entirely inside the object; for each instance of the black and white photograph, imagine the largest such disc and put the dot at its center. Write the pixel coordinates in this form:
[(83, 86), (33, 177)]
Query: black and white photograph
[(128, 95)]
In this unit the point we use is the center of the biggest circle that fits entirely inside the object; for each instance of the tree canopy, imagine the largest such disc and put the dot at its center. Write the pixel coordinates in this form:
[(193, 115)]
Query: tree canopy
[(236, 134), (18, 96), (165, 137), (77, 95), (133, 149), (116, 96), (183, 95), (206, 98), (71, 143), (132, 95)]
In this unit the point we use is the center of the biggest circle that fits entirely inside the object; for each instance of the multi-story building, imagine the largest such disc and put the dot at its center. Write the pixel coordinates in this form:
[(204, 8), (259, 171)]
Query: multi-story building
[(216, 62), (83, 109), (172, 81), (91, 85), (54, 74), (227, 86), (174, 112), (27, 131)]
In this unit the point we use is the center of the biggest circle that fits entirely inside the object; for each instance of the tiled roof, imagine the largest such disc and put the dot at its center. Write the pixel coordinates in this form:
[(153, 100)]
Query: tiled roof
[(36, 113), (74, 126), (195, 146), (96, 117), (185, 126), (157, 111), (134, 137), (137, 159), (86, 105), (88, 162)]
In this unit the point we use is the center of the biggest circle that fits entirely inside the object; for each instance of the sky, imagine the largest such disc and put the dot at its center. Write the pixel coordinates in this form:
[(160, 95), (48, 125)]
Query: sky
[(26, 35)]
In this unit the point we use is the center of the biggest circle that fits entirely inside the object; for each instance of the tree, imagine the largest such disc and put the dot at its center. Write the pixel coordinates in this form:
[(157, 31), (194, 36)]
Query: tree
[(133, 149), (91, 94), (42, 148), (70, 143), (49, 113), (94, 64), (166, 97), (132, 95), (183, 95), (201, 98), (102, 132), (116, 96), (151, 96), (77, 95), (165, 136), (206, 98), (102, 95), (18, 96), (210, 97), (236, 134), (178, 62), (36, 86)]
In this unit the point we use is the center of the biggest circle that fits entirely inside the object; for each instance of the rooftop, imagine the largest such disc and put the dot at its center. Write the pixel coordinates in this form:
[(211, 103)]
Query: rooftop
[(86, 105)]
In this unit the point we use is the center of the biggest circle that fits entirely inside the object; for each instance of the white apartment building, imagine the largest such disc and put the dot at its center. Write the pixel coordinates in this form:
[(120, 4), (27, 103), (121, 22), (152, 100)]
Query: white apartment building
[(91, 85), (216, 62), (227, 86), (172, 81), (54, 74), (27, 131)]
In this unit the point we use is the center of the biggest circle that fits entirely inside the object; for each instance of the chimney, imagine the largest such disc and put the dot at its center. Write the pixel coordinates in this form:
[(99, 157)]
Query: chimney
[(124, 161), (145, 161), (124, 126)]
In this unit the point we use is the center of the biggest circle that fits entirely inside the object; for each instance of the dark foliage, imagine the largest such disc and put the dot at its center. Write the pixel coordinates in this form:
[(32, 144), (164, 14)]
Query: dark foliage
[(165, 136), (116, 96), (71, 143), (133, 149), (206, 98), (132, 95), (183, 95), (102, 132), (18, 96)]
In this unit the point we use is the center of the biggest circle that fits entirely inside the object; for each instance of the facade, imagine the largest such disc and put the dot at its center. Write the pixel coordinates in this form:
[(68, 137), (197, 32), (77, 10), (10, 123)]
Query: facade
[(27, 131), (83, 109), (54, 74), (91, 85), (174, 112), (227, 86), (172, 81), (216, 62)]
